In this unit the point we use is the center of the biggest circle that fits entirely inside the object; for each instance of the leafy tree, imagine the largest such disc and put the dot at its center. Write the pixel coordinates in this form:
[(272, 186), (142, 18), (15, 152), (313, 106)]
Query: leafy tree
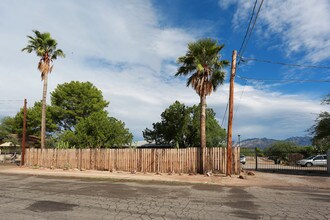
[(66, 136), (74, 101), (321, 130), (45, 48), (14, 125), (173, 128), (77, 118), (247, 151), (98, 130), (202, 62), (215, 134), (280, 150), (307, 151), (33, 120), (11, 127), (179, 127), (7, 125)]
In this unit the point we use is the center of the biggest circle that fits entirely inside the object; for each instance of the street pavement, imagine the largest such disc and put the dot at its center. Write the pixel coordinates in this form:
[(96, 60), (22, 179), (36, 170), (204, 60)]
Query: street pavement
[(51, 197)]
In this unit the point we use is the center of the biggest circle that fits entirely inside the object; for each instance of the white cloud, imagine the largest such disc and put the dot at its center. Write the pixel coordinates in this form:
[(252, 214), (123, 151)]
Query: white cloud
[(97, 38), (274, 114), (302, 26), (171, 43), (225, 4), (305, 26), (120, 47)]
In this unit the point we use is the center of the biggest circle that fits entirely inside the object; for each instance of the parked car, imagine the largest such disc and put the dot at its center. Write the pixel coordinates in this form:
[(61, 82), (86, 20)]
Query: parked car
[(316, 160), (242, 159)]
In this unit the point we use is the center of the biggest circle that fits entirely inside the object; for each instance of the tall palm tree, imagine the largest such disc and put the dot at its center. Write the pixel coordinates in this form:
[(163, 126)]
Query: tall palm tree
[(45, 48), (205, 69)]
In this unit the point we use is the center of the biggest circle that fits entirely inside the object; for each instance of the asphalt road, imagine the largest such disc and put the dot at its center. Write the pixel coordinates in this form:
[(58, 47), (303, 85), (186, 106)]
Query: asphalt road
[(40, 197)]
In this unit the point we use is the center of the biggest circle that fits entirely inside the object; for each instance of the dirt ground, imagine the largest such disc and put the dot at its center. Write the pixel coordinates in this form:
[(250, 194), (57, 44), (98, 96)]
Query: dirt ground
[(259, 179)]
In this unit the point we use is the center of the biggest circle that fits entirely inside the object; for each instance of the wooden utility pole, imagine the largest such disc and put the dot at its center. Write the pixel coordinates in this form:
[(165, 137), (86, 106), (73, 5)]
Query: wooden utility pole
[(231, 113), (24, 134)]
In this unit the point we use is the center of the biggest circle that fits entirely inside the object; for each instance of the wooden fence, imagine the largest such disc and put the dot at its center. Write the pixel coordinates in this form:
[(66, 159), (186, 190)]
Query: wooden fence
[(185, 160)]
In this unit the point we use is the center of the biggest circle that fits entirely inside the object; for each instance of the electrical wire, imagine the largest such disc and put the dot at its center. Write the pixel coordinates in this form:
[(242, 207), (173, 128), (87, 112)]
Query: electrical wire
[(244, 59), (11, 100), (283, 80), (241, 52), (250, 33), (244, 44), (224, 115), (240, 98), (9, 106), (248, 28), (243, 47)]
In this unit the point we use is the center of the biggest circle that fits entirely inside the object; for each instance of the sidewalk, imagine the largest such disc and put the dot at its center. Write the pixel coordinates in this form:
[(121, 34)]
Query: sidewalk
[(258, 180)]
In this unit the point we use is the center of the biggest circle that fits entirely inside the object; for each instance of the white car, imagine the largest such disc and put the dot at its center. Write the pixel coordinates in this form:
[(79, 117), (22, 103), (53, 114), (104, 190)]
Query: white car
[(242, 159), (318, 160)]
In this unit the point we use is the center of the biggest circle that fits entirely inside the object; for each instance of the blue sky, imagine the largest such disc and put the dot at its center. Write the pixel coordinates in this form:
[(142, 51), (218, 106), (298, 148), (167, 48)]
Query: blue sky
[(128, 49)]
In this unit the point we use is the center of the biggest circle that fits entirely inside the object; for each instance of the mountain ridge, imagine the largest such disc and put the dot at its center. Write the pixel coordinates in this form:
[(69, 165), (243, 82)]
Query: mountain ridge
[(263, 143)]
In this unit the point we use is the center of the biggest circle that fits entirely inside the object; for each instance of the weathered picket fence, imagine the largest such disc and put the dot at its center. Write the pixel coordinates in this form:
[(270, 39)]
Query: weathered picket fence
[(184, 160)]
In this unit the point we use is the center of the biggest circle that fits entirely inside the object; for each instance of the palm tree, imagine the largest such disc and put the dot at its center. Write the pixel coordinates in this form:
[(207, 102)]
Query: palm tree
[(205, 69), (45, 47)]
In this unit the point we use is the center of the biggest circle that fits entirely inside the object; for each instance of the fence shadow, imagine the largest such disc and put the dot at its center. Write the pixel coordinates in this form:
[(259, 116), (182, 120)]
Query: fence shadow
[(295, 172)]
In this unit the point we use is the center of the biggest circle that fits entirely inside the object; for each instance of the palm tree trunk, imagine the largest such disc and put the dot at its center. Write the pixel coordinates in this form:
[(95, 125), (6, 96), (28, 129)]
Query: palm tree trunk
[(203, 130), (43, 111)]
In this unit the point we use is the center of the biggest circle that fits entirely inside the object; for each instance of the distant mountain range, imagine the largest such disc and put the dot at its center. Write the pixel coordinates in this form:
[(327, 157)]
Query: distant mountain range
[(262, 143)]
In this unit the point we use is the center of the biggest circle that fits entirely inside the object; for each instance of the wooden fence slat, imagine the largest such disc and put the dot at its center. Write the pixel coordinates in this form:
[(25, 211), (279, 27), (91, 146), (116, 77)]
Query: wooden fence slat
[(184, 160)]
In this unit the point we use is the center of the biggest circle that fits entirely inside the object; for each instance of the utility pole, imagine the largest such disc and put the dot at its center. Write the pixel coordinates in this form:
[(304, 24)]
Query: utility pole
[(24, 134), (231, 113)]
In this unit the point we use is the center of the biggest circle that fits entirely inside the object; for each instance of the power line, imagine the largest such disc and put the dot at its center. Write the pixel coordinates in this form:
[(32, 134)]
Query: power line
[(283, 80), (244, 45), (224, 115), (244, 59), (4, 100), (241, 52), (254, 22), (248, 28), (240, 98)]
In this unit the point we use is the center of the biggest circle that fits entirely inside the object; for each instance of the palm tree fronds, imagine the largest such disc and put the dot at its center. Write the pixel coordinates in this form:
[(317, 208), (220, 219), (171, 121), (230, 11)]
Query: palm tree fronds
[(224, 63), (57, 53), (28, 49), (217, 79), (191, 80), (202, 62), (43, 44), (45, 48)]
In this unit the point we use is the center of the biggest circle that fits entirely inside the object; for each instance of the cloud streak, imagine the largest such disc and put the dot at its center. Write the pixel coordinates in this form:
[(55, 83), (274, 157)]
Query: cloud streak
[(122, 49), (302, 26)]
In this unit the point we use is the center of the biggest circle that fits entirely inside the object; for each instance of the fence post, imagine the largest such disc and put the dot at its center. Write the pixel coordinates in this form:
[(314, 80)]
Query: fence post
[(24, 134), (328, 162), (256, 157)]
